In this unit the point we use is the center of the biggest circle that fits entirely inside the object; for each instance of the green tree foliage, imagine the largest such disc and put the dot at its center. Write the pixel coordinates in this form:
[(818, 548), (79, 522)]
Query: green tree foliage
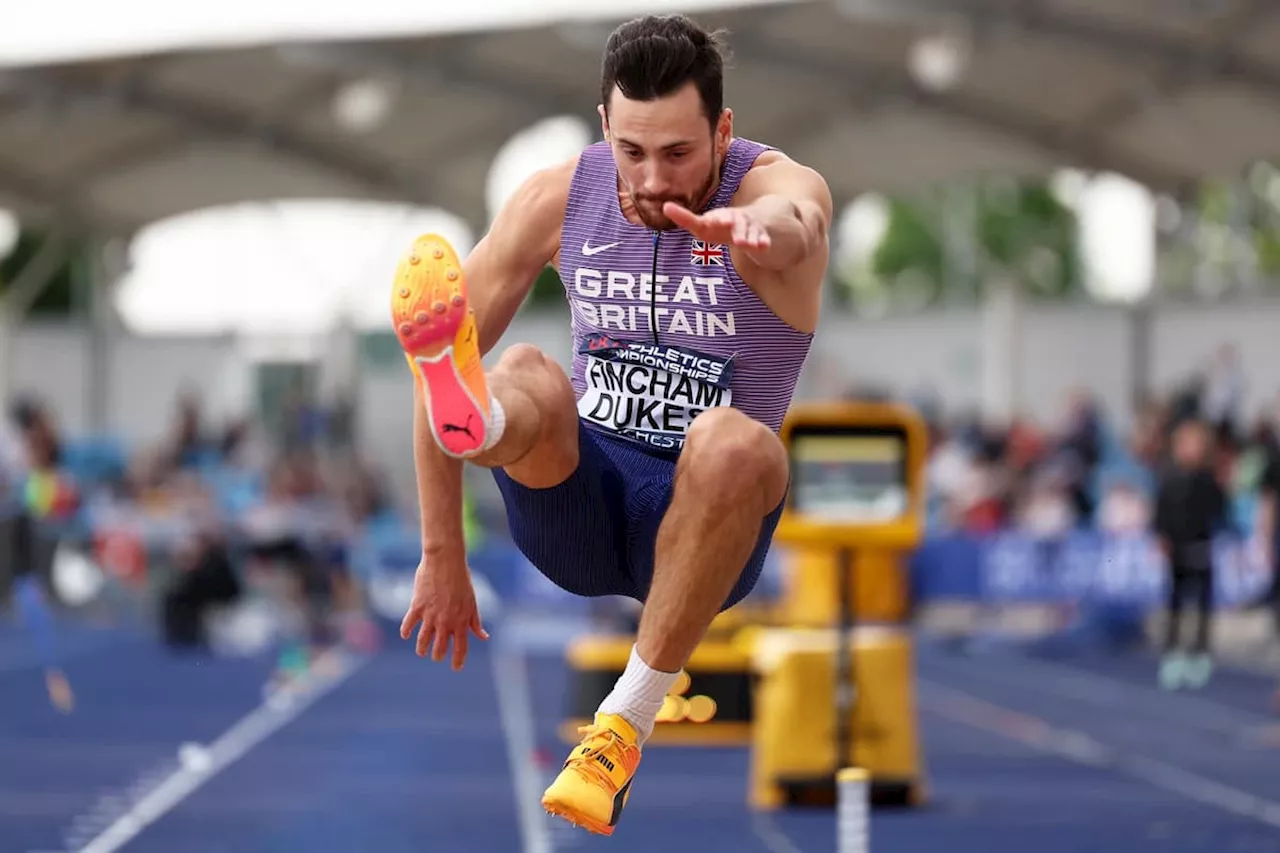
[(1251, 208), (63, 295), (1262, 220), (945, 243), (910, 243), (1030, 233), (1225, 237)]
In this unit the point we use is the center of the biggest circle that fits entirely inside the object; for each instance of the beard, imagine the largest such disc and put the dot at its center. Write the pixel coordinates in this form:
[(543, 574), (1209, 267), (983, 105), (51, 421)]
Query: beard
[(649, 207)]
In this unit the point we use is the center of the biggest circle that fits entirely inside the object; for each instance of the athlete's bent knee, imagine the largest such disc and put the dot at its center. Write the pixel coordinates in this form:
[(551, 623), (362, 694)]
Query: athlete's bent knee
[(521, 358), (541, 413), (730, 455), (527, 369)]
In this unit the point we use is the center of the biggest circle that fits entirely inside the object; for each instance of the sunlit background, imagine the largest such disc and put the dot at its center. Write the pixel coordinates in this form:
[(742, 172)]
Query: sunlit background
[(1058, 232)]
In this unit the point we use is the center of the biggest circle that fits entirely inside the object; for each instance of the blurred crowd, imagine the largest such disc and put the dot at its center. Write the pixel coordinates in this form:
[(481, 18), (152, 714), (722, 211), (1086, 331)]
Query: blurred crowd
[(210, 515), (219, 512), (1048, 479)]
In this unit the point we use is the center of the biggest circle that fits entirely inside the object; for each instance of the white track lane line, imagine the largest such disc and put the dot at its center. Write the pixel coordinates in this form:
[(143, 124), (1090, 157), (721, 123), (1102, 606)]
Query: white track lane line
[(277, 710), (511, 681)]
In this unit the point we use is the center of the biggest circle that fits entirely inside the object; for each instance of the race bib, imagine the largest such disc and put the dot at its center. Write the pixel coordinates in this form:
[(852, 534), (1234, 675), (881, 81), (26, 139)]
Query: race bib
[(651, 392)]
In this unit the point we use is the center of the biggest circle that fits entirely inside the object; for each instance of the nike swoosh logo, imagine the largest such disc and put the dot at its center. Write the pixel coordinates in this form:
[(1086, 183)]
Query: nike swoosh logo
[(588, 250)]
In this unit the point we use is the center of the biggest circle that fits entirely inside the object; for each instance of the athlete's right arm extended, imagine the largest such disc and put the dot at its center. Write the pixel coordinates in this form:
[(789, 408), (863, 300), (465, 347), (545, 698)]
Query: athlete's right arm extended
[(500, 271)]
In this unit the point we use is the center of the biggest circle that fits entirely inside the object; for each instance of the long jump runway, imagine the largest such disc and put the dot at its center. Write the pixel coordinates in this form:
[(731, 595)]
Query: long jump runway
[(392, 753)]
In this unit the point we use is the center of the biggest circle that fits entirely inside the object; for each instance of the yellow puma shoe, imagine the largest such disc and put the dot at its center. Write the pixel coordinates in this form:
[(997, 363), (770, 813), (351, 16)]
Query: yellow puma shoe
[(595, 783)]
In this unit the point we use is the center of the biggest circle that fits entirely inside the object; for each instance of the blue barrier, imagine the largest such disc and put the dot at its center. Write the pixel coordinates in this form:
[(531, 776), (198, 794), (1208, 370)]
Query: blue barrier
[(1084, 566), (392, 549)]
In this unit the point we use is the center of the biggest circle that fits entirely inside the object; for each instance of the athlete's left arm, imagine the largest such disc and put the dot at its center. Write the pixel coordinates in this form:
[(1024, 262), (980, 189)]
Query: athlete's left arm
[(792, 204)]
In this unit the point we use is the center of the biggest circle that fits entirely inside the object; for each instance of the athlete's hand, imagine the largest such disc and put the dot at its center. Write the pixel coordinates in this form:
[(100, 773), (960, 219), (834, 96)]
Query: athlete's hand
[(728, 226), (444, 601)]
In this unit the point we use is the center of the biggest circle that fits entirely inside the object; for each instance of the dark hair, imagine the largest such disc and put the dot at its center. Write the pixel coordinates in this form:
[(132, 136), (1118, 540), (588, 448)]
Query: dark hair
[(654, 56)]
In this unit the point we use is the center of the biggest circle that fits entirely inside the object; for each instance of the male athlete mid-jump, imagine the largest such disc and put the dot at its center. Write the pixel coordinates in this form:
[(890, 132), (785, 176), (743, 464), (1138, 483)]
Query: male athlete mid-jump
[(693, 263)]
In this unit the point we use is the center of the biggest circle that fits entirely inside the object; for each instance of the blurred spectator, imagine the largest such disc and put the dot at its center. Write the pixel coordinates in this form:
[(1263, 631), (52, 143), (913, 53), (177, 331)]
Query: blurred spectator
[(1048, 511), (206, 580), (1254, 459), (1190, 509), (189, 446), (42, 445), (980, 504), (1268, 515), (1125, 510), (947, 471), (1185, 402), (1081, 449), (39, 494), (1223, 392)]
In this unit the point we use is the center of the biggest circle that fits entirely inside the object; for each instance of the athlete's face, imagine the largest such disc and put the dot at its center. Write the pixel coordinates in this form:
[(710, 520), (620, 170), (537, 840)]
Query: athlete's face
[(666, 150)]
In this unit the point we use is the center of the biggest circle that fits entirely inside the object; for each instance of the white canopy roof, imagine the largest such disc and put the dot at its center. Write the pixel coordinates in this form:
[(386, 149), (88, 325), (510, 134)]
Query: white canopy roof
[(874, 93)]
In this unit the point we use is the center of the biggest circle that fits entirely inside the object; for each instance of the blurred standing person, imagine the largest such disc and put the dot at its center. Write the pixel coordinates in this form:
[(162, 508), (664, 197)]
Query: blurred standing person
[(1190, 508), (188, 446), (1081, 446), (42, 494), (1268, 523), (1223, 392)]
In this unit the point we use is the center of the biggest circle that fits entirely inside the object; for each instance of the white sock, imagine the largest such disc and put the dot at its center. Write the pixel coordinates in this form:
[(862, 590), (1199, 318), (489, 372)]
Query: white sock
[(496, 424), (638, 695)]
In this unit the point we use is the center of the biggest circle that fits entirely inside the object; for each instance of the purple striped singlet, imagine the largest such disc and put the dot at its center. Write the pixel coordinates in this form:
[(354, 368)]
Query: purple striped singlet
[(715, 344)]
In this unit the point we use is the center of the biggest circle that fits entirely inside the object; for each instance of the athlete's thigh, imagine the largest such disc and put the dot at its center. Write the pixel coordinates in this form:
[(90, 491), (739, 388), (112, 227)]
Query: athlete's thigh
[(651, 507), (574, 532), (648, 484)]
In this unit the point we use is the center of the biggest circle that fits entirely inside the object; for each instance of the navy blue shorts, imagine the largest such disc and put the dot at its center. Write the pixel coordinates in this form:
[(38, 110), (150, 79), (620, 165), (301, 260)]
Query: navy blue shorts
[(594, 534)]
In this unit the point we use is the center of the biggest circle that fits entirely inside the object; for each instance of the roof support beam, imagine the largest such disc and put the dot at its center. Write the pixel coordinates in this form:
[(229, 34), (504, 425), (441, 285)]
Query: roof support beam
[(210, 120), (1069, 144), (452, 68), (1214, 60), (164, 142), (1178, 77), (60, 202), (518, 103)]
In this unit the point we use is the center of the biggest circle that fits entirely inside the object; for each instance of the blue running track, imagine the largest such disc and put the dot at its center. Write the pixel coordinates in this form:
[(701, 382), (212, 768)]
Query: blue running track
[(1073, 755)]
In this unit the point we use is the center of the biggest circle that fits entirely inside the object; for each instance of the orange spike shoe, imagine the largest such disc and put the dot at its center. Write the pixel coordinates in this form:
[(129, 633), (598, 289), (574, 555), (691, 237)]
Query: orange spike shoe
[(437, 330)]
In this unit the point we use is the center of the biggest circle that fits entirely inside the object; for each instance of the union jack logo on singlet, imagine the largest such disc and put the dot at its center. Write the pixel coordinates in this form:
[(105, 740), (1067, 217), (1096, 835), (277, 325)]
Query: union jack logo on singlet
[(704, 255)]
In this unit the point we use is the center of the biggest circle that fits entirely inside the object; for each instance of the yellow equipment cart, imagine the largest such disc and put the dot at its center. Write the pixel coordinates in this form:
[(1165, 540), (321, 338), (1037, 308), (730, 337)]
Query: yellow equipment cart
[(836, 679)]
